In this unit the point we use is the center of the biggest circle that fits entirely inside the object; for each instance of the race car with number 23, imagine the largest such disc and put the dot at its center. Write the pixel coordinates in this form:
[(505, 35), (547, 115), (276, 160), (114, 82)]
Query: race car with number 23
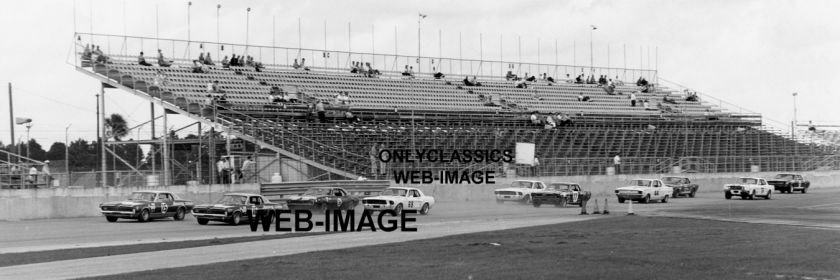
[(399, 199)]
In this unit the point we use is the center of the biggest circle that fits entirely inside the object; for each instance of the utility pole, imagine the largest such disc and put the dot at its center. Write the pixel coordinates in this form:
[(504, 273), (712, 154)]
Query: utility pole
[(152, 149), (165, 146), (12, 117), (102, 141), (98, 134)]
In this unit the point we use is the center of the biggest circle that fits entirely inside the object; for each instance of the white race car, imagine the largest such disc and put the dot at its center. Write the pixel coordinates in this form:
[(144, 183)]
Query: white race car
[(398, 199), (519, 191), (644, 190), (748, 188)]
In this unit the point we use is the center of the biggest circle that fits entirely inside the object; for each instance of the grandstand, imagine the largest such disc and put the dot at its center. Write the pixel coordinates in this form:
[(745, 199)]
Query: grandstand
[(429, 113)]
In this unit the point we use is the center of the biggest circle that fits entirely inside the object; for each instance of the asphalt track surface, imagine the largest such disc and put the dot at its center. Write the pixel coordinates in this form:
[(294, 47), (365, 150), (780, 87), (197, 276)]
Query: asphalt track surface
[(818, 208)]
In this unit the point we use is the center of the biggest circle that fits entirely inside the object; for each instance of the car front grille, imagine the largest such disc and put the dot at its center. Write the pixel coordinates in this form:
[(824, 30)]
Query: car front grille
[(736, 188), (117, 208), (506, 193), (375, 201)]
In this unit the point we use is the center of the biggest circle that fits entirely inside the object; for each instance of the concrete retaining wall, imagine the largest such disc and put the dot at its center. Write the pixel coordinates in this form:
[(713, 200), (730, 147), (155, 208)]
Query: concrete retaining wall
[(604, 185), (84, 202)]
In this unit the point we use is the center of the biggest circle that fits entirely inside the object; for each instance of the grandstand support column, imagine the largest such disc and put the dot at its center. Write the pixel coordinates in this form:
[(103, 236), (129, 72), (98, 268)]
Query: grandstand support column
[(165, 146), (247, 27), (152, 149), (102, 140), (12, 117), (199, 161)]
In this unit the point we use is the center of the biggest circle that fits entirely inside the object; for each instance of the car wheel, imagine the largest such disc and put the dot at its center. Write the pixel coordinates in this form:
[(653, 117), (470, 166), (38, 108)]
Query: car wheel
[(770, 192), (675, 194), (499, 201), (562, 203), (180, 214), (804, 190), (665, 199), (691, 195), (398, 209), (620, 200), (751, 195), (536, 204), (526, 199), (237, 217), (111, 218), (144, 216), (646, 199), (322, 207), (727, 195), (425, 209), (201, 221)]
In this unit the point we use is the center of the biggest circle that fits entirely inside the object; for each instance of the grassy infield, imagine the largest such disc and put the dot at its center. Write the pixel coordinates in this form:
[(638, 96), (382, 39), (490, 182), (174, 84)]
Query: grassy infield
[(610, 248)]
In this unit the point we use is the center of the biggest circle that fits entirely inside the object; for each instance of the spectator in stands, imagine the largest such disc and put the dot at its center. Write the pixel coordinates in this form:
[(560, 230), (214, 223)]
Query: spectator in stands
[(521, 84), (226, 62), (162, 60), (811, 127), (617, 164), (349, 117), (32, 179), (222, 170), (208, 60), (295, 65), (668, 100), (467, 81), (642, 82), (222, 99), (633, 99), (196, 68), (618, 82), (646, 104), (438, 75), (579, 79), (510, 76), (602, 80), (406, 72), (549, 122), (530, 78), (142, 60), (322, 113), (534, 118), (274, 98), (475, 82), (215, 87), (303, 64), (100, 56), (547, 78), (354, 67), (411, 71), (200, 58), (86, 54), (565, 120), (692, 97)]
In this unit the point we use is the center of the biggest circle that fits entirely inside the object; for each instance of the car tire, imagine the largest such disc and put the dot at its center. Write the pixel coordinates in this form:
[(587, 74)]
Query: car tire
[(675, 194), (646, 199), (201, 221), (111, 218), (537, 204), (180, 214), (398, 209), (425, 209), (562, 203), (144, 216), (768, 194), (804, 190), (499, 201), (727, 195), (692, 194), (751, 196), (527, 199), (620, 200), (236, 218), (665, 199)]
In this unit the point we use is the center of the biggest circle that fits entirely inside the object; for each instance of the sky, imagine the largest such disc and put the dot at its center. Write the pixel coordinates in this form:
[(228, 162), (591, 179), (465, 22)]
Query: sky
[(750, 53)]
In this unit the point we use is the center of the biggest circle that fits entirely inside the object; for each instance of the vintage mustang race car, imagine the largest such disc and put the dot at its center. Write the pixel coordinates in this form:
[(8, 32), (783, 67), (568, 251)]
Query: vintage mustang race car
[(146, 205), (748, 188), (323, 198), (519, 191), (644, 190), (681, 186), (787, 182), (560, 194), (398, 198), (233, 208)]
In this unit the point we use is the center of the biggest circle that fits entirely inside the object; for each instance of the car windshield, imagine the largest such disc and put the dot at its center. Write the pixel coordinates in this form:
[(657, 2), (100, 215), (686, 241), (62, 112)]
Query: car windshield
[(232, 199), (750, 181), (142, 196), (559, 187), (394, 192), (317, 191), (640, 183), (784, 176), (672, 180), (521, 184)]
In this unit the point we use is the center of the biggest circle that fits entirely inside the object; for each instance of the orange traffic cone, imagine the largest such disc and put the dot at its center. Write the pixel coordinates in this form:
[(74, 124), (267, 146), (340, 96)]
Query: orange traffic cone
[(630, 207), (596, 211), (606, 212), (583, 208)]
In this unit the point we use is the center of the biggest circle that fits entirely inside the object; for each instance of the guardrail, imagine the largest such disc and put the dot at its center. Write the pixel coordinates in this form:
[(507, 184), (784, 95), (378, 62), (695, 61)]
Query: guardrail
[(277, 191)]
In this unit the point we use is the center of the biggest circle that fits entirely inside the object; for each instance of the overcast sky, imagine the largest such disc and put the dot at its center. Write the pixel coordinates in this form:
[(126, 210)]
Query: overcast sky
[(750, 53)]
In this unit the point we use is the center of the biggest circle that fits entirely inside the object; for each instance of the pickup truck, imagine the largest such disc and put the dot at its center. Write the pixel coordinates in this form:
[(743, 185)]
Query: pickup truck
[(644, 190)]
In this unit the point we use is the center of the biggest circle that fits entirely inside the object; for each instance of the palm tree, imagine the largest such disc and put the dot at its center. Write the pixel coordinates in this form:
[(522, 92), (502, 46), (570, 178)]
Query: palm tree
[(116, 126)]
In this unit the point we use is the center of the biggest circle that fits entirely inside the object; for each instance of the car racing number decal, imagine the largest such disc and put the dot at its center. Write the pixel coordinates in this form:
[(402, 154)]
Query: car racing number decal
[(163, 207), (152, 205), (411, 204), (575, 196), (338, 202)]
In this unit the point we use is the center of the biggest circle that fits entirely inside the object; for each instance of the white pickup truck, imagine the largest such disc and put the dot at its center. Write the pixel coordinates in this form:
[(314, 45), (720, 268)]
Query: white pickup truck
[(644, 190), (748, 188), (519, 191)]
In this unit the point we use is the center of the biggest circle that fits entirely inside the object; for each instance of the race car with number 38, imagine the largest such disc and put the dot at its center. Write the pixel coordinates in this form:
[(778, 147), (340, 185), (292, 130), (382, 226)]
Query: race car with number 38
[(399, 199), (233, 208), (322, 199), (147, 205)]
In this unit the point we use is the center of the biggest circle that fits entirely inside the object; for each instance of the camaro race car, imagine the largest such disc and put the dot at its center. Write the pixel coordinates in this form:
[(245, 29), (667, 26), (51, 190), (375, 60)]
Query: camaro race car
[(233, 208), (681, 186), (399, 199), (787, 182), (644, 190), (560, 194), (748, 188), (323, 198), (519, 191), (146, 205)]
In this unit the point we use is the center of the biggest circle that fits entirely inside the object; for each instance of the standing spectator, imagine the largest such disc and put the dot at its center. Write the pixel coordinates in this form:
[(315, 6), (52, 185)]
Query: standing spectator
[(208, 60), (303, 64), (534, 118), (45, 171), (220, 170), (247, 170), (142, 60), (406, 72), (536, 167), (32, 179), (86, 54), (162, 60), (633, 99), (374, 154), (811, 127), (349, 117), (319, 109), (295, 64), (225, 62), (200, 58), (617, 164)]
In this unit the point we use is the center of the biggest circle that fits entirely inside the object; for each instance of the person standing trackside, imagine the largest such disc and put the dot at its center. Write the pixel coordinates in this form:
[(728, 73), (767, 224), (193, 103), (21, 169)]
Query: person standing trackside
[(322, 114), (247, 170), (374, 153), (32, 179), (617, 164), (45, 171), (220, 169)]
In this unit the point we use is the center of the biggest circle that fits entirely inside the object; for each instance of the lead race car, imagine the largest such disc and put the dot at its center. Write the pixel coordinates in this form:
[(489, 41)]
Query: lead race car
[(147, 205), (398, 199), (681, 186), (322, 199), (561, 194), (644, 190), (788, 182), (748, 188), (519, 191), (233, 208)]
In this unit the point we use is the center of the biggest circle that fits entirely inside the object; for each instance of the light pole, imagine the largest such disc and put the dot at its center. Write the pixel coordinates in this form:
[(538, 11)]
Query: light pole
[(419, 18), (218, 45), (189, 5), (591, 52), (793, 127), (67, 152), (247, 21), (28, 140)]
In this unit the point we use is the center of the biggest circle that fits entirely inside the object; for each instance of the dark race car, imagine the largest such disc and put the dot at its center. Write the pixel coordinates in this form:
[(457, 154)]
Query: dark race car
[(147, 205), (681, 186), (234, 208), (323, 198), (560, 194), (788, 182)]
